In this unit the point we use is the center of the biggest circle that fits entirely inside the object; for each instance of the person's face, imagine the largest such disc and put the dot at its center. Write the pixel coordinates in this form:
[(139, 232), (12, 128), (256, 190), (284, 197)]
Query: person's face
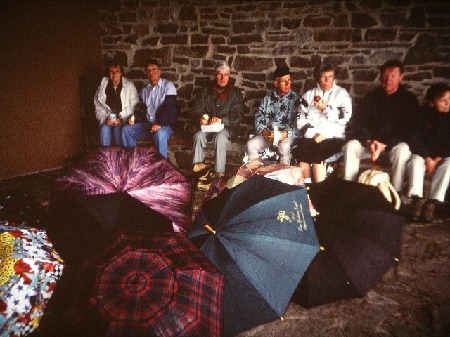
[(153, 73), (326, 80), (390, 80), (283, 84), (115, 74), (222, 77), (442, 104)]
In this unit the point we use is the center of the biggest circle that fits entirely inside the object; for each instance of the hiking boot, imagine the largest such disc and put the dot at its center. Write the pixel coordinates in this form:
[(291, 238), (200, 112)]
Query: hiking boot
[(416, 210), (428, 211), (199, 167)]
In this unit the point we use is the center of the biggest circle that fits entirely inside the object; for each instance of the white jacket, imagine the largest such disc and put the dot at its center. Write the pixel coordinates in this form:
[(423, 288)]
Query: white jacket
[(330, 122), (128, 95)]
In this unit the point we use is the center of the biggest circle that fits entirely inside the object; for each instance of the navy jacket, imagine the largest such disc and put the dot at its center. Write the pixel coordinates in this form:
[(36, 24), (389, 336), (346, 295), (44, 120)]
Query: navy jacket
[(432, 135), (166, 115), (388, 119)]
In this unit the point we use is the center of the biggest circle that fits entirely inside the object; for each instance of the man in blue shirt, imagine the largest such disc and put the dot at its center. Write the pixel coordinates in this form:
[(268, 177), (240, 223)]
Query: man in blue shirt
[(159, 95), (277, 111)]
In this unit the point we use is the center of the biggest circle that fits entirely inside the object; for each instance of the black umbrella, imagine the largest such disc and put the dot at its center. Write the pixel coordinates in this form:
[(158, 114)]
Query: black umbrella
[(334, 192), (261, 236), (80, 224), (359, 232)]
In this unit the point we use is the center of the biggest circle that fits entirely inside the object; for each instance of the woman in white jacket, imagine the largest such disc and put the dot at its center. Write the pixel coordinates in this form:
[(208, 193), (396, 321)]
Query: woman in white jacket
[(321, 118), (114, 102)]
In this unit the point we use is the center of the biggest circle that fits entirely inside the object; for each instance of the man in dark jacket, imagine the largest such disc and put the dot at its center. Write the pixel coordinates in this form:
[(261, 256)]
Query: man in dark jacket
[(159, 95), (219, 103), (383, 126)]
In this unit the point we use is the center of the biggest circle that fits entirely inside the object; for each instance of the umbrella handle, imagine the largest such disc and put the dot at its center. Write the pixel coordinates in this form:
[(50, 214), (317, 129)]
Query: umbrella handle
[(208, 227)]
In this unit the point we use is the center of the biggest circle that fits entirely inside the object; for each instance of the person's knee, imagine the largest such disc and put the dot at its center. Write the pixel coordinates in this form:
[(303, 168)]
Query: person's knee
[(126, 130), (416, 159), (197, 136), (284, 149), (351, 146), (401, 152)]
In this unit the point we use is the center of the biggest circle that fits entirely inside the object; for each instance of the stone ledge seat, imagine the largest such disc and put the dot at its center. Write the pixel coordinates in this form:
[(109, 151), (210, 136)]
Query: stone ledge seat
[(180, 152)]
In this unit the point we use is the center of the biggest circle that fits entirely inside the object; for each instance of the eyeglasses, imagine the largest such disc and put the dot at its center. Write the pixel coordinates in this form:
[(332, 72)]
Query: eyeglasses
[(285, 81)]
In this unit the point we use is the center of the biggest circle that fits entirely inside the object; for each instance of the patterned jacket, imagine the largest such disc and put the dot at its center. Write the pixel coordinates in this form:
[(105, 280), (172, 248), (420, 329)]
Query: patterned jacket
[(280, 111)]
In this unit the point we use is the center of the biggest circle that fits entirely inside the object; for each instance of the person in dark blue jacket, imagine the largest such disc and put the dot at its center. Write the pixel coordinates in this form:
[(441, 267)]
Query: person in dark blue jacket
[(431, 153), (383, 124), (159, 96)]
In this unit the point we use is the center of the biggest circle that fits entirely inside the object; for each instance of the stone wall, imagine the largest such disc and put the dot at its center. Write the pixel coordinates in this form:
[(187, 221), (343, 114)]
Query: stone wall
[(188, 36)]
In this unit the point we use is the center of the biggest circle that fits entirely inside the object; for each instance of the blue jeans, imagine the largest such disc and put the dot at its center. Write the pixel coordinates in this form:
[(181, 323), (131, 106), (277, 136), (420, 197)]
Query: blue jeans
[(107, 132), (131, 133)]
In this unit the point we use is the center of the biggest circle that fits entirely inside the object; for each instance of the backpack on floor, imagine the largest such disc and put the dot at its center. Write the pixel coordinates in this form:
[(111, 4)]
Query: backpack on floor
[(381, 180)]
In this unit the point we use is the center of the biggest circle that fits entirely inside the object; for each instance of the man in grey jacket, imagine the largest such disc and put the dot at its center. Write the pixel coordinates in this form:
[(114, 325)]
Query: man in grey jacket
[(219, 103)]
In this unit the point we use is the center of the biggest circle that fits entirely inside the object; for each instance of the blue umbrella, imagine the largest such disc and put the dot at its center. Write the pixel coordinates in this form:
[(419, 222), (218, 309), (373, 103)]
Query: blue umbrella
[(261, 236)]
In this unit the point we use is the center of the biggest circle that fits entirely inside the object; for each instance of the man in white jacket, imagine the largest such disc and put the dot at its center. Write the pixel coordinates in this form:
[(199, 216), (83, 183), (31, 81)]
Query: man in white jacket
[(322, 117), (114, 102)]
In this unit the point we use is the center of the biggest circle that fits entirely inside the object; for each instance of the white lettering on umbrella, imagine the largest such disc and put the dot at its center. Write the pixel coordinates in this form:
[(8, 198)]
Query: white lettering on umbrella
[(295, 216)]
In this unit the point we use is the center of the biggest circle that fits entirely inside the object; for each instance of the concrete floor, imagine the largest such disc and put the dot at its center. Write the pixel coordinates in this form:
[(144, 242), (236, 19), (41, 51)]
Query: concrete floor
[(410, 300)]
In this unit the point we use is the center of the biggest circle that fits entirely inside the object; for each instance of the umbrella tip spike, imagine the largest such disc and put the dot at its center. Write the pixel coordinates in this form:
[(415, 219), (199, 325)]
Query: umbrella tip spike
[(322, 248), (282, 318)]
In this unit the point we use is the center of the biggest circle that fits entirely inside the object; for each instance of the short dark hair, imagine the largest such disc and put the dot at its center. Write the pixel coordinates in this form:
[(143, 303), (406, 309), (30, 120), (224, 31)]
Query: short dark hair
[(322, 68), (436, 91), (153, 61), (393, 64), (113, 63)]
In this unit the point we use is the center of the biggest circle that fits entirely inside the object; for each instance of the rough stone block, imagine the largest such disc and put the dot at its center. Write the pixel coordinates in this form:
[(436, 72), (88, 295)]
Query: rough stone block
[(255, 64), (166, 28), (380, 35), (188, 13), (327, 35), (174, 39), (245, 39), (317, 21), (362, 20)]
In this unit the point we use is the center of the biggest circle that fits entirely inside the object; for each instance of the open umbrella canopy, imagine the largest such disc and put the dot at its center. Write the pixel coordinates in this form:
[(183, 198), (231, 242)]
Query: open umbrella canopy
[(29, 270), (139, 171), (261, 236), (359, 232), (80, 224), (347, 194), (18, 207), (145, 285)]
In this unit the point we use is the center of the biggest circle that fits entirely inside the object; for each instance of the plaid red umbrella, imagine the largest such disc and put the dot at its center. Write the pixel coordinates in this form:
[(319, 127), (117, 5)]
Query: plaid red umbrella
[(139, 171), (29, 270), (146, 285)]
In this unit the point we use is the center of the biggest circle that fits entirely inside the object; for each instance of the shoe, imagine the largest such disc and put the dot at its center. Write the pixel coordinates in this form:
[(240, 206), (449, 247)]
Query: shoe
[(416, 210), (198, 167), (206, 176), (217, 175), (203, 185), (428, 211)]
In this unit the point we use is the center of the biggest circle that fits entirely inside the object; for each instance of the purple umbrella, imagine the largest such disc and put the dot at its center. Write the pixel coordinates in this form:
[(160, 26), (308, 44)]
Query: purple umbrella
[(139, 171)]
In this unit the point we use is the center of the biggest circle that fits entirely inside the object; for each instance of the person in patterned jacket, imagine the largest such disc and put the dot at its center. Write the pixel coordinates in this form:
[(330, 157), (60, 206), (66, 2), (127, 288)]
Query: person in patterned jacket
[(276, 119)]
